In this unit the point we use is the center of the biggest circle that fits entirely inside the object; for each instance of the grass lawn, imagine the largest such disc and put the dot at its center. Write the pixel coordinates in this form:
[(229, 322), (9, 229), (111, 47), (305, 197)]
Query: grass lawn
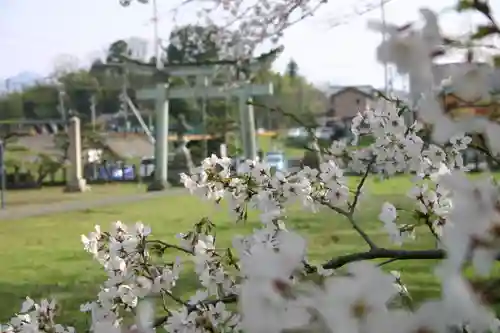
[(43, 256), (268, 144), (51, 195)]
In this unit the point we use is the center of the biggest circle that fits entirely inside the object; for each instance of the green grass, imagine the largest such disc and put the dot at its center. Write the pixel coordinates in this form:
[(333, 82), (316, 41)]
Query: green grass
[(56, 194), (43, 256), (269, 144)]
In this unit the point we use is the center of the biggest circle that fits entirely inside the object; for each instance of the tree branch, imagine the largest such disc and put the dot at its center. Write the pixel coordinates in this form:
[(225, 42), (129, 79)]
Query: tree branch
[(163, 246), (354, 224), (361, 232), (380, 253), (486, 152), (361, 184), (335, 263), (192, 307), (349, 214), (383, 254)]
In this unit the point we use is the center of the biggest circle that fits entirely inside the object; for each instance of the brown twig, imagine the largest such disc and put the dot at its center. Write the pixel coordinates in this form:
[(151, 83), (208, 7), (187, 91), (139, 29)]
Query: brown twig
[(381, 253), (354, 224), (361, 184)]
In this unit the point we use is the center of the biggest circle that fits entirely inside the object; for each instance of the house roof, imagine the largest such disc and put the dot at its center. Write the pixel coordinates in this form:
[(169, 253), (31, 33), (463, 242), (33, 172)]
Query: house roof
[(365, 89), (368, 91)]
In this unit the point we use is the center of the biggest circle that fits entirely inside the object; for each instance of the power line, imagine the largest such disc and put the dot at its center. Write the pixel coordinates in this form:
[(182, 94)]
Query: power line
[(156, 41), (384, 38)]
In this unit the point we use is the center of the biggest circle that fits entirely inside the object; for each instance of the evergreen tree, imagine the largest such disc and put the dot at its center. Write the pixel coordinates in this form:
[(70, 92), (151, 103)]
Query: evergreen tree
[(292, 69)]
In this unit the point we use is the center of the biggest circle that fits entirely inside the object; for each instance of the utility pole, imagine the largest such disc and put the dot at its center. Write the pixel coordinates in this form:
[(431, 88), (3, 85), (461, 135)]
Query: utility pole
[(156, 40), (124, 104), (161, 117), (384, 38), (93, 103), (62, 108), (204, 118)]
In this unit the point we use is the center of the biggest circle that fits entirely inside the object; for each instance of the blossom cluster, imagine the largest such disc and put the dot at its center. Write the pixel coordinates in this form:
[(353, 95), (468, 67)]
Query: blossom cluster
[(264, 283), (268, 276)]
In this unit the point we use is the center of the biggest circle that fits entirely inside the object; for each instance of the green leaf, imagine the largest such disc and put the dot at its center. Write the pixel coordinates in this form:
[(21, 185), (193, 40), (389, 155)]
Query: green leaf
[(484, 30), (465, 5)]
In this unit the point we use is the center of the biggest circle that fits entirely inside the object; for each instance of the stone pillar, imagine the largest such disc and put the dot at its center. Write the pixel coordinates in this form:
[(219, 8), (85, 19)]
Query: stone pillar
[(223, 150), (74, 180), (160, 180), (247, 126)]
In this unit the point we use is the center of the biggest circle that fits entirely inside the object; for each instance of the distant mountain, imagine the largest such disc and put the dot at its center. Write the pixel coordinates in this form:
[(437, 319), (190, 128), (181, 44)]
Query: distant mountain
[(19, 81)]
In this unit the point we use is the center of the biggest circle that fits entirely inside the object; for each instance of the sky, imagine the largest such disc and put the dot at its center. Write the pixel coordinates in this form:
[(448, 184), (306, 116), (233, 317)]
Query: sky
[(332, 47)]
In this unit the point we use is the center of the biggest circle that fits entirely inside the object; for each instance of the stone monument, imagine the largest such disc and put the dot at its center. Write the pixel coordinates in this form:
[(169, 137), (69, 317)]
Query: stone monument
[(74, 179), (182, 127), (184, 150), (223, 150), (182, 157)]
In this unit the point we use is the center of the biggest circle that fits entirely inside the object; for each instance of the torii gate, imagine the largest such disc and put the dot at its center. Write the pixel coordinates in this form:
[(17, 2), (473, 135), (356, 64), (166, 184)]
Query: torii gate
[(162, 93)]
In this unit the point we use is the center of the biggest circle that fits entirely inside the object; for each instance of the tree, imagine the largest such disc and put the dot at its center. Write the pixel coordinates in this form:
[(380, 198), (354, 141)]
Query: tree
[(292, 69), (11, 106), (79, 87), (192, 43), (40, 102), (338, 287), (292, 95), (116, 49)]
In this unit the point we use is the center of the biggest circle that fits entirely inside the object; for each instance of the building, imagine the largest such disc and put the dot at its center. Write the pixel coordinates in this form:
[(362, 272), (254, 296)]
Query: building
[(344, 103)]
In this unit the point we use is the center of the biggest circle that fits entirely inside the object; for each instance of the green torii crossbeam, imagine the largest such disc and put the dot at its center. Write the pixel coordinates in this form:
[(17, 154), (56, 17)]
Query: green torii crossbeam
[(208, 92)]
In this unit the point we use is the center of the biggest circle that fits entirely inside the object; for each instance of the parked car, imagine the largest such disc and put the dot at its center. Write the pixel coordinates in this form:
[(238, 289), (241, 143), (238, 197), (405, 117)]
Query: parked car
[(276, 160), (147, 166), (125, 173), (296, 137), (113, 172), (324, 133), (297, 132)]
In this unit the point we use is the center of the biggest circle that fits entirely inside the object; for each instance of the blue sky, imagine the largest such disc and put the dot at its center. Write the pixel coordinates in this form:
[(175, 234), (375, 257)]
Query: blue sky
[(35, 32)]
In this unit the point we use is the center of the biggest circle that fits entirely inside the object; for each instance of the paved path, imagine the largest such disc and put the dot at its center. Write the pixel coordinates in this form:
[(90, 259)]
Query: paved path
[(26, 211)]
